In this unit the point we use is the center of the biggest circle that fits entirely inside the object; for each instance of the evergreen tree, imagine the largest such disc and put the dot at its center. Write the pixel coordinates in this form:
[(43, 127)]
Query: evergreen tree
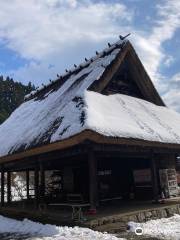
[(11, 95)]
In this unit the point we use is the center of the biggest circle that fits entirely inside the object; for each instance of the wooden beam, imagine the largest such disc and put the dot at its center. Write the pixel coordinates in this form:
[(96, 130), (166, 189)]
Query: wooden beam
[(2, 186), (42, 180), (98, 86), (27, 184), (154, 177), (91, 136), (8, 187), (142, 79), (36, 185), (93, 180)]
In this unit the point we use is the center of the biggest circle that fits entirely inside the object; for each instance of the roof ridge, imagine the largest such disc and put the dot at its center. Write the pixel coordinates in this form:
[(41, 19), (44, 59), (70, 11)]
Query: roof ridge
[(84, 64)]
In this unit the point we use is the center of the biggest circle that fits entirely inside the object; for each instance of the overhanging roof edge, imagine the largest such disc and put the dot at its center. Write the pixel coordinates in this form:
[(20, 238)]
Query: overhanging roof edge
[(87, 135)]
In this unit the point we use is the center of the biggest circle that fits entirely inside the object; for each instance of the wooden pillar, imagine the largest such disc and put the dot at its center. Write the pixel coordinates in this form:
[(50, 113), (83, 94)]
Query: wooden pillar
[(36, 185), (8, 187), (154, 177), (93, 181), (42, 180), (2, 186), (27, 184)]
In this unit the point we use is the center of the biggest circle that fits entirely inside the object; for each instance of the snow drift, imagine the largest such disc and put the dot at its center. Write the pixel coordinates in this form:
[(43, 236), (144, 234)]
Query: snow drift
[(52, 232)]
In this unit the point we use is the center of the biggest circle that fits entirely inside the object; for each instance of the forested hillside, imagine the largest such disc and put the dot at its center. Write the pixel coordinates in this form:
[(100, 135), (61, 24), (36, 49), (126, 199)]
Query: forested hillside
[(11, 95)]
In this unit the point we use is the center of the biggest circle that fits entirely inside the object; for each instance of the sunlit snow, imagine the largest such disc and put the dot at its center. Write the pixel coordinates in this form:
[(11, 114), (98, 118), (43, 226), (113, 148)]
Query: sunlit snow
[(164, 228)]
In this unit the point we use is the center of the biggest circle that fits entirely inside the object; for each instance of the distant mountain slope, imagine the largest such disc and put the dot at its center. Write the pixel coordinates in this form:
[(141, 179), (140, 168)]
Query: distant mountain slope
[(11, 95)]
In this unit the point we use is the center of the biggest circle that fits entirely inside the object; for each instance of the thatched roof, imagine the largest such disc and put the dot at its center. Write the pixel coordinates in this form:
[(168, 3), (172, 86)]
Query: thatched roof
[(68, 107)]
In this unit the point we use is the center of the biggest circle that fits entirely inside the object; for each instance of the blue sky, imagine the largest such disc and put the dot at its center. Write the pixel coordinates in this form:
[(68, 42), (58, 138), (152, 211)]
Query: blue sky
[(40, 38)]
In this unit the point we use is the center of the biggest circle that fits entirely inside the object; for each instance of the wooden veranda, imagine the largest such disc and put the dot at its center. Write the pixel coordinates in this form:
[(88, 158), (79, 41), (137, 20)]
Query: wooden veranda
[(93, 161)]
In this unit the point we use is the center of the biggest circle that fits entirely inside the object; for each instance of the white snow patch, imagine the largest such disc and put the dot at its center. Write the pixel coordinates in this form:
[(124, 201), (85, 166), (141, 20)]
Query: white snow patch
[(120, 115), (164, 228), (51, 232)]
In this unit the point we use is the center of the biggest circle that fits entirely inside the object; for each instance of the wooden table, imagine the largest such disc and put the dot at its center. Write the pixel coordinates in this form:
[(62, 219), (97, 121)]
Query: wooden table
[(77, 213)]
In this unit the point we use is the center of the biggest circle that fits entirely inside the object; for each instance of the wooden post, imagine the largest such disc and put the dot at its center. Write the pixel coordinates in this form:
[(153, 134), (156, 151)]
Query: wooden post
[(2, 186), (8, 187), (36, 185), (154, 177), (93, 181), (42, 180), (27, 184)]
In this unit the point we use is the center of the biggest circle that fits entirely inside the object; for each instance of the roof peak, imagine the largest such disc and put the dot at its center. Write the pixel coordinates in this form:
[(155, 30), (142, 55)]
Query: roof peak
[(111, 47)]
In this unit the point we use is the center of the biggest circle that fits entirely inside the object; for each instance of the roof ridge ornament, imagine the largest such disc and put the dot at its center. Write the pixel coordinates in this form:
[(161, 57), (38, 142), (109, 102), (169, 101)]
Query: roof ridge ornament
[(124, 37)]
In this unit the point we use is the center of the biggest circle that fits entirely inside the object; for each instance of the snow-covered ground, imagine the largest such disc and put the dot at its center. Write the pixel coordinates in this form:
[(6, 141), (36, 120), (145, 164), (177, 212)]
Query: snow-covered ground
[(49, 232), (164, 228)]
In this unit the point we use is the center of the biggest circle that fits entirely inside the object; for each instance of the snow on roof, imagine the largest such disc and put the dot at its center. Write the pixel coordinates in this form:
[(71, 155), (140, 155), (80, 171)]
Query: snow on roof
[(120, 115), (86, 63), (116, 115), (70, 108), (37, 121)]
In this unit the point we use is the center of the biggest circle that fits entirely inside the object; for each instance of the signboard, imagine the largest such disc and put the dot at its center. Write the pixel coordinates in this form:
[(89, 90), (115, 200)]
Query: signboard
[(168, 181), (142, 175)]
